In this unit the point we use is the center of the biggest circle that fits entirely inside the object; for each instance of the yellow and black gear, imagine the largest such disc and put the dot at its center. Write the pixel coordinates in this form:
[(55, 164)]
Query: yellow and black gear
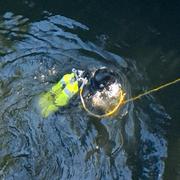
[(59, 95)]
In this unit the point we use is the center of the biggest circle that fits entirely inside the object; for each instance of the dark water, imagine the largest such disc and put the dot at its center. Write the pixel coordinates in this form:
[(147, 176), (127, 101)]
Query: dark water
[(42, 40)]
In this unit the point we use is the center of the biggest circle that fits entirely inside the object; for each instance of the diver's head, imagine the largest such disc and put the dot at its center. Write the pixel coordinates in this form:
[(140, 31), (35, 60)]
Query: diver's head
[(102, 78), (103, 91)]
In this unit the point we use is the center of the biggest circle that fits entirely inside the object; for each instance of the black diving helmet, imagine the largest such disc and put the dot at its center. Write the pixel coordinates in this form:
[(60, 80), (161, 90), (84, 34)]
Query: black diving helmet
[(102, 78)]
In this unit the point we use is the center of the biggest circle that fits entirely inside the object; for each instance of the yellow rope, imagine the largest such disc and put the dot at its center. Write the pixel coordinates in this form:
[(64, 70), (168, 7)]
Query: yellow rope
[(152, 90), (103, 115), (121, 100)]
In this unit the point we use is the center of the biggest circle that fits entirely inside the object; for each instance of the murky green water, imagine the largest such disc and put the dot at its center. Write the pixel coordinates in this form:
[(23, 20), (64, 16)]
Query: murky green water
[(41, 41)]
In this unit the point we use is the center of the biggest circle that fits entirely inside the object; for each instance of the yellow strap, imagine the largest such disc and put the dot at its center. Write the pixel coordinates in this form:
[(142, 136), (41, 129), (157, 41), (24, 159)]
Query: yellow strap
[(152, 90), (121, 100)]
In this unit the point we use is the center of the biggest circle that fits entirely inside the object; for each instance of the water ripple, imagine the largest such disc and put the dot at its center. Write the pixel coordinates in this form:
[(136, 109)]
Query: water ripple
[(69, 144)]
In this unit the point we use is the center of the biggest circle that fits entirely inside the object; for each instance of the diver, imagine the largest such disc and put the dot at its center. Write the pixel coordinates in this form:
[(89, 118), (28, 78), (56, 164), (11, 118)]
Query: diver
[(101, 91), (105, 91)]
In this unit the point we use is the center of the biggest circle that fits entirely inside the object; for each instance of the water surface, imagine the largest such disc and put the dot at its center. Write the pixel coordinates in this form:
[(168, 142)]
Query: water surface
[(37, 50)]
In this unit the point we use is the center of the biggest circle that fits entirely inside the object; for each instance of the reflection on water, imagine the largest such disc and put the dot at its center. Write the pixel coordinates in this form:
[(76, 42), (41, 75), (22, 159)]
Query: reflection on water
[(70, 144), (11, 30)]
